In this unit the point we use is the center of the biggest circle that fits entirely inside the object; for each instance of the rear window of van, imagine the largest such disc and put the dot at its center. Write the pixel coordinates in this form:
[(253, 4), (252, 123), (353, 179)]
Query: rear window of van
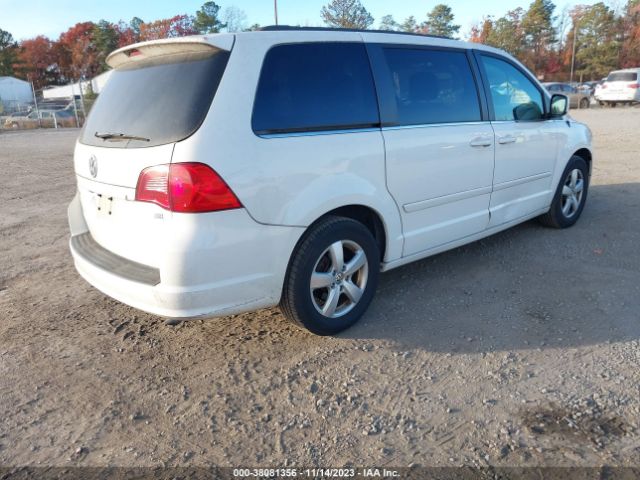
[(157, 103)]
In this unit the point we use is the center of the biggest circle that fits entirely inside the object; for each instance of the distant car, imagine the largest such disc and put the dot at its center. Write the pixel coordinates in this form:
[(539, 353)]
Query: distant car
[(41, 119), (588, 88), (621, 86), (577, 98)]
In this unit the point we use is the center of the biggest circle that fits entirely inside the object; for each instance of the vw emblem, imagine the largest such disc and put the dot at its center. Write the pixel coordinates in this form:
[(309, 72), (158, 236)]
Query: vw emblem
[(93, 166)]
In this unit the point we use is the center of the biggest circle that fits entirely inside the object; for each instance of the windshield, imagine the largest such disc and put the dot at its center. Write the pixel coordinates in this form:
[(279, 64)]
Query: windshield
[(622, 77), (154, 104)]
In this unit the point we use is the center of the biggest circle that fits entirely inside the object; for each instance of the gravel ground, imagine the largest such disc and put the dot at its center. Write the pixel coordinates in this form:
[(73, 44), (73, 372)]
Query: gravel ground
[(518, 350)]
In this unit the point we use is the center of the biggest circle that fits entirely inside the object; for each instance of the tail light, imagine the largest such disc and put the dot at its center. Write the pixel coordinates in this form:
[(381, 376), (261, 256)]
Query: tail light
[(604, 85), (634, 85), (185, 188)]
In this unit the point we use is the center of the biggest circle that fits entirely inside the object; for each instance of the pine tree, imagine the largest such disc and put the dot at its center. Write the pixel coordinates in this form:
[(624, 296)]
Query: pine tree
[(206, 20), (8, 53), (410, 25), (440, 22), (346, 14), (388, 23)]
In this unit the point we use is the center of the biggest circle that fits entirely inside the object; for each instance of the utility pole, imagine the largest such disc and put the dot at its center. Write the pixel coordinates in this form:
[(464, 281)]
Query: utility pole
[(35, 103), (275, 9), (573, 54), (75, 108)]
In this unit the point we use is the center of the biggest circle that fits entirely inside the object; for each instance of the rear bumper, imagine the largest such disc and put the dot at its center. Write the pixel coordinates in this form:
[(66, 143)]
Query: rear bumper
[(631, 96), (205, 275)]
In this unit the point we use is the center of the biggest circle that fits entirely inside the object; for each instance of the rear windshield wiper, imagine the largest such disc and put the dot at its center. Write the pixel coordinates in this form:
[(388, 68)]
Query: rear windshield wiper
[(120, 136)]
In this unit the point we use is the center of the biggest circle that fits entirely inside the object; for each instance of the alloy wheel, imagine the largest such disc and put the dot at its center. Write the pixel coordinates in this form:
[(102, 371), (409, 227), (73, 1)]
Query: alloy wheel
[(339, 278), (572, 193)]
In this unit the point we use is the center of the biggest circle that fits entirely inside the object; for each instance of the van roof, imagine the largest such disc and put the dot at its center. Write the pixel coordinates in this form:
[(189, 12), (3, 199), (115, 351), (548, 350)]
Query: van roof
[(285, 33), (632, 69), (289, 28)]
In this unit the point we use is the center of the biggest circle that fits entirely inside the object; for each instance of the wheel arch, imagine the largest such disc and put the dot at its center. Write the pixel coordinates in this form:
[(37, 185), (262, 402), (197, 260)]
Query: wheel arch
[(587, 156)]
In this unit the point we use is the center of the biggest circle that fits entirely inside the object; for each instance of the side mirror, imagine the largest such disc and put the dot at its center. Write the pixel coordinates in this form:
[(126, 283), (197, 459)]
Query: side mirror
[(527, 112), (559, 105)]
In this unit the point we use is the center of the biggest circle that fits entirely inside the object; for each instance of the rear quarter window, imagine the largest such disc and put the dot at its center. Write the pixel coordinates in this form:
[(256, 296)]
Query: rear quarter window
[(315, 87), (432, 86), (622, 77)]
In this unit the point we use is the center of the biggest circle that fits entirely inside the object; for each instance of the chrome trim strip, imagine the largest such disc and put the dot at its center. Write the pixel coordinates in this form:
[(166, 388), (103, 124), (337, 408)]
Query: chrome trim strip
[(318, 133), (438, 201), (520, 181), (429, 125)]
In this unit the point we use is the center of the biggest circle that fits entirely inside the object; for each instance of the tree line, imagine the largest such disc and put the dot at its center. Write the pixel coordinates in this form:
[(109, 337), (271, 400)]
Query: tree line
[(594, 38)]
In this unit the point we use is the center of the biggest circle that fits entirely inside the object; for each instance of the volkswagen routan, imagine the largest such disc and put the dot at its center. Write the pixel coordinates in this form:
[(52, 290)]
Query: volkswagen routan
[(225, 173)]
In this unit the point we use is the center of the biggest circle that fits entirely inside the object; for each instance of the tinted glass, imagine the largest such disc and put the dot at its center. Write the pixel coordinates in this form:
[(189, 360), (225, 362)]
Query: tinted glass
[(163, 102), (432, 86), (314, 87), (514, 96), (622, 77)]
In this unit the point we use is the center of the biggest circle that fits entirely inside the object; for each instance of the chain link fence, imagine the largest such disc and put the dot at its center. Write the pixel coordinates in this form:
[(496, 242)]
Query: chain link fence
[(60, 107)]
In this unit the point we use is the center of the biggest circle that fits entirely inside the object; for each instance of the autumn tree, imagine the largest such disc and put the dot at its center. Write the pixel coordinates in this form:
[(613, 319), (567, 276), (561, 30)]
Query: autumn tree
[(178, 26), (346, 14), (388, 23), (480, 33), (78, 54), (440, 22), (207, 19), (630, 51), (37, 61), (8, 53)]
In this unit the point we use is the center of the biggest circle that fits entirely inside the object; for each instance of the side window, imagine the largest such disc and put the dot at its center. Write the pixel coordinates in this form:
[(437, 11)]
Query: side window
[(314, 87), (514, 96), (432, 86)]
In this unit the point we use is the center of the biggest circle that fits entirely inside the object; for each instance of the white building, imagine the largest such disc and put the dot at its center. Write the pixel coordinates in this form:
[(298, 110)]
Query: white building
[(67, 91), (14, 93)]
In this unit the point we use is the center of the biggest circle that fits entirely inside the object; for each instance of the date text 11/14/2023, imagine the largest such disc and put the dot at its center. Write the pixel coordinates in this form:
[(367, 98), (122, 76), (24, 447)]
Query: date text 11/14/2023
[(315, 473)]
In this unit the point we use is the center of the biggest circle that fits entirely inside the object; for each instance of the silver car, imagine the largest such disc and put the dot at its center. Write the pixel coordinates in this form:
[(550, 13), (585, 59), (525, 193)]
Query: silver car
[(577, 98)]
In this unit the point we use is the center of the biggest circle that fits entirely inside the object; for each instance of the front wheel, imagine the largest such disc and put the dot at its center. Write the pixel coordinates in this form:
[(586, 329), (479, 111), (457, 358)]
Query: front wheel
[(570, 197), (584, 103), (332, 276)]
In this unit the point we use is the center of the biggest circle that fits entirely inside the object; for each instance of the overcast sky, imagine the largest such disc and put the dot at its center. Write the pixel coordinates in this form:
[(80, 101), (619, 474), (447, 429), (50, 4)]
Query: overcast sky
[(28, 18)]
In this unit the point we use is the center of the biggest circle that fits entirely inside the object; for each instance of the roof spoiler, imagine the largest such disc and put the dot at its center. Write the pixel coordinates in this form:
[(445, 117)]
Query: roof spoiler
[(169, 49)]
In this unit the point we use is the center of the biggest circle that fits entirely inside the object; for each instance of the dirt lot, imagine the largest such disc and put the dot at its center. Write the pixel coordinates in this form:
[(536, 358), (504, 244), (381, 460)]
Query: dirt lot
[(522, 349)]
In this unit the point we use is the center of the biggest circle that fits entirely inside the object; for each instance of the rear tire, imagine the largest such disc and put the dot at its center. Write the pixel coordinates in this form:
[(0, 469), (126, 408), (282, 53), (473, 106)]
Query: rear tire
[(584, 103), (571, 196), (332, 276)]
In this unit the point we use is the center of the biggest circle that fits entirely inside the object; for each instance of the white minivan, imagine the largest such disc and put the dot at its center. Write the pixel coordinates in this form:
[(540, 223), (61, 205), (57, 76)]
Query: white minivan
[(621, 86), (225, 173)]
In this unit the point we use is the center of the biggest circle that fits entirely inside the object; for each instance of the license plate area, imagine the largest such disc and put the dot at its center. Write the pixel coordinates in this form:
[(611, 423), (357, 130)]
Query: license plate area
[(103, 204)]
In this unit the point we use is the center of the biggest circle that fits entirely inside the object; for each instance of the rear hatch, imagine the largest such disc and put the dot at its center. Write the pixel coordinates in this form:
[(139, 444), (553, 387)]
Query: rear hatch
[(157, 95), (622, 83)]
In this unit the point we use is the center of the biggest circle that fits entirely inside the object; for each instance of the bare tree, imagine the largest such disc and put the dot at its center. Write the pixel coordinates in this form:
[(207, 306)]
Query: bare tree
[(235, 18), (346, 14)]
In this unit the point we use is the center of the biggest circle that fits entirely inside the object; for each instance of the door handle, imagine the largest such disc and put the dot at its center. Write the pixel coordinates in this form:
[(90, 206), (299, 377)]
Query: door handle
[(481, 142), (507, 139)]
